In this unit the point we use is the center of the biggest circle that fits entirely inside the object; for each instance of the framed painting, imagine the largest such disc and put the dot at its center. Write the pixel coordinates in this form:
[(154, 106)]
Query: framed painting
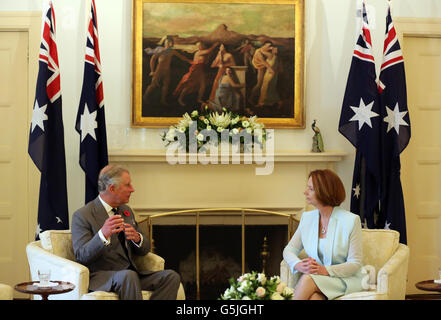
[(244, 56)]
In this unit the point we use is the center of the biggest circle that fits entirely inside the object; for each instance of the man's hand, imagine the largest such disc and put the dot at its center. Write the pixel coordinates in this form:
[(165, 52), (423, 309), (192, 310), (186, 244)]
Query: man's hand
[(131, 233), (112, 225)]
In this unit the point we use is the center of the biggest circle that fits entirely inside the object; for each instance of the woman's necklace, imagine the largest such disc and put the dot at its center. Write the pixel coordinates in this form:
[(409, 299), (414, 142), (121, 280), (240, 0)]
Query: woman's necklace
[(323, 229)]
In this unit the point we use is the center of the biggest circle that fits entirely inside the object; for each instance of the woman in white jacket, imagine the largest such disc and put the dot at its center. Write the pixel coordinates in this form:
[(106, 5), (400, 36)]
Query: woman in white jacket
[(332, 240)]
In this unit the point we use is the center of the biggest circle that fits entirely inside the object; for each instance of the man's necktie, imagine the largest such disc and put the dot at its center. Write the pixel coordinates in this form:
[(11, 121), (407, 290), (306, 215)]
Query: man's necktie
[(121, 237), (122, 240)]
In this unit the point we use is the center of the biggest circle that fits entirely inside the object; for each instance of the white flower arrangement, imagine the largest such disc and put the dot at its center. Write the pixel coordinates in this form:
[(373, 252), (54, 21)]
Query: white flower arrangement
[(255, 286), (214, 127)]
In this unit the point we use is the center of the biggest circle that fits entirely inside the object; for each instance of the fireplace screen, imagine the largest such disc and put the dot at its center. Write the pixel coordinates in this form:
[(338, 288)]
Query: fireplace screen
[(206, 255)]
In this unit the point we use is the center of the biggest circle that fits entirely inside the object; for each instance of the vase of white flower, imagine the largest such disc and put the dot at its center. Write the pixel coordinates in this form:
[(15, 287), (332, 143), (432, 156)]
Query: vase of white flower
[(256, 286), (202, 130)]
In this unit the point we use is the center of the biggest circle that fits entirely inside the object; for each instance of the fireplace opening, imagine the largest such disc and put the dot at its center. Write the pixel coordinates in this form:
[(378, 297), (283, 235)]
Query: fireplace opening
[(220, 254)]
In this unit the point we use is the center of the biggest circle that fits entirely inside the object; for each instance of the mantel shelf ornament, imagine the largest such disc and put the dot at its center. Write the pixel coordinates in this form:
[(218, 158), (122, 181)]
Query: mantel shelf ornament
[(317, 140)]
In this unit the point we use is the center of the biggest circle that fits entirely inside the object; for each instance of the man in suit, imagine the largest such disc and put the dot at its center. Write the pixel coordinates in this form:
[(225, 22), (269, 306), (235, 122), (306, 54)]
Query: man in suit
[(106, 238)]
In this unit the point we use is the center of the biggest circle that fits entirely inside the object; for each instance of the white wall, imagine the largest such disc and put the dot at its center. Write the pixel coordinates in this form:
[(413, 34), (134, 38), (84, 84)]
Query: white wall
[(331, 28)]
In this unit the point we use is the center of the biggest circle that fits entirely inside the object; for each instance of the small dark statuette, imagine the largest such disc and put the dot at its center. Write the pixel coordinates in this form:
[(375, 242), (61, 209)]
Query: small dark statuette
[(317, 140)]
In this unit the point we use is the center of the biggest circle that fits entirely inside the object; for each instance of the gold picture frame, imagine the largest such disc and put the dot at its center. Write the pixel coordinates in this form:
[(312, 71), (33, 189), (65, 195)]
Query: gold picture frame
[(176, 45)]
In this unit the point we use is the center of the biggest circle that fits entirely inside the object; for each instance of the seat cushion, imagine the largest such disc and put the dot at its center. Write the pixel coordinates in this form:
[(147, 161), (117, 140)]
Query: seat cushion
[(58, 242), (103, 295), (363, 295), (378, 246)]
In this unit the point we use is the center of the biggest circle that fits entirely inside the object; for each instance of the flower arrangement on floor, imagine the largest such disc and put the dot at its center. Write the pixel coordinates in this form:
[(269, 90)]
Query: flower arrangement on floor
[(213, 127), (255, 286)]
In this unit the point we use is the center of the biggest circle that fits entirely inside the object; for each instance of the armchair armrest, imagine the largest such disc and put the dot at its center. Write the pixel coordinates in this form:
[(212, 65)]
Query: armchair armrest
[(61, 269), (150, 262), (6, 292), (287, 276), (392, 277), (285, 273)]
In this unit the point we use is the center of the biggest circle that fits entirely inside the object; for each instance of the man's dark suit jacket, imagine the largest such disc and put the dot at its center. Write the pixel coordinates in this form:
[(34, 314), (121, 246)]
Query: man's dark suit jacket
[(90, 250)]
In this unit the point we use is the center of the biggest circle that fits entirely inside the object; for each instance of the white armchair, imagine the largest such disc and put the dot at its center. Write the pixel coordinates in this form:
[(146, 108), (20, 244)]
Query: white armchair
[(382, 250), (55, 252)]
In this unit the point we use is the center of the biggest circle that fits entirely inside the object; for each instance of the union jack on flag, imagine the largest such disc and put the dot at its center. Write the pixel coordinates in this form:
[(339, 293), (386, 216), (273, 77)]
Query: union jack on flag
[(46, 137), (391, 52), (91, 122), (363, 47)]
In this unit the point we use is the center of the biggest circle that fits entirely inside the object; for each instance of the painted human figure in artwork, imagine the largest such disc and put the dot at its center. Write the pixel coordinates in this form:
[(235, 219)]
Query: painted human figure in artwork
[(195, 80), (268, 92), (228, 94), (223, 60), (160, 69), (261, 64)]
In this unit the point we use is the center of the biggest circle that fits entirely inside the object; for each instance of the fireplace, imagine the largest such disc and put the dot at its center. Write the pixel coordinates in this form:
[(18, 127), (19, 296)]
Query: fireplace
[(207, 253), (162, 187)]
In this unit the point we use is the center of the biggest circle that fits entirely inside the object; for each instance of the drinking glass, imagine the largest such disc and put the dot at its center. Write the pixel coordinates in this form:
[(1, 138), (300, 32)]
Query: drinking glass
[(43, 276)]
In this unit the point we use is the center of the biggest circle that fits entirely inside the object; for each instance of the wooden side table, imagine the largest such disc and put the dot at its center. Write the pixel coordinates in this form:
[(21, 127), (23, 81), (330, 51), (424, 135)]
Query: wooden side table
[(429, 285), (44, 292)]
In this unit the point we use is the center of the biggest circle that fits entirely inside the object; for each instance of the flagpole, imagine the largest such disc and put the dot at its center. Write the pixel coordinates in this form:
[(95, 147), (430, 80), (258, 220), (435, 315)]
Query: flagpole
[(87, 13)]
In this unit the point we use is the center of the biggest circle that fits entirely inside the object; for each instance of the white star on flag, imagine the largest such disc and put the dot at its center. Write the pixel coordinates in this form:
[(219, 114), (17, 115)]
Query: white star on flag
[(38, 116), (395, 118), (387, 226), (356, 191), (38, 230), (363, 114), (88, 123)]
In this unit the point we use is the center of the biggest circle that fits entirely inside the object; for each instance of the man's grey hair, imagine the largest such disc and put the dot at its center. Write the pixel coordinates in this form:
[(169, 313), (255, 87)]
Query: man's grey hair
[(109, 175)]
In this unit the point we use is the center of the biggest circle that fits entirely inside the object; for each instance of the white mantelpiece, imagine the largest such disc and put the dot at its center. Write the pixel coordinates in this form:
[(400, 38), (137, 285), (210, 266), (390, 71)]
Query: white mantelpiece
[(161, 186), (128, 156)]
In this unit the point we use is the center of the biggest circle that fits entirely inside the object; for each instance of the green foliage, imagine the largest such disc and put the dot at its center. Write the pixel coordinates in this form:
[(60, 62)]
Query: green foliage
[(255, 286)]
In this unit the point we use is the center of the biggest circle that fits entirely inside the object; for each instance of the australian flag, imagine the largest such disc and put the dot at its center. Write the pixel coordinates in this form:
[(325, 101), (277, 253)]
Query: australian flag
[(371, 111), (395, 131), (91, 122), (46, 137), (360, 123)]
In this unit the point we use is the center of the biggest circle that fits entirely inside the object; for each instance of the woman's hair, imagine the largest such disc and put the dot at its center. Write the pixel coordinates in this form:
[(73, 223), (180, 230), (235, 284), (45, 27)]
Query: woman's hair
[(109, 175), (328, 187)]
